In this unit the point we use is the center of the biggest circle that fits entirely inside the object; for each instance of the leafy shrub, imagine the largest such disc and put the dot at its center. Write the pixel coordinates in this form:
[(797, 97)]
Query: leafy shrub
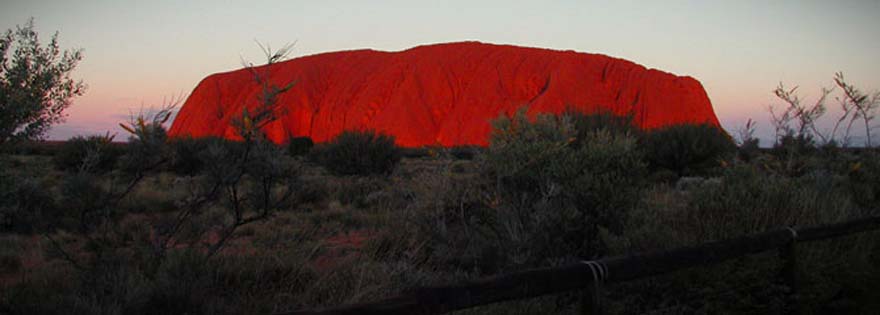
[(558, 191), (95, 154), (688, 149), (299, 146), (359, 153), (35, 83)]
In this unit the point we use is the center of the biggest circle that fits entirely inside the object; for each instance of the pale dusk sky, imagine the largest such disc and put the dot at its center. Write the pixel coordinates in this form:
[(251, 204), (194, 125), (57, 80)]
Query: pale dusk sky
[(139, 52)]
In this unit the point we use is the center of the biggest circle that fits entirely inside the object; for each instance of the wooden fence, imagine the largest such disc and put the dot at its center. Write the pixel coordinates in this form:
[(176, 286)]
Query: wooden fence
[(589, 275)]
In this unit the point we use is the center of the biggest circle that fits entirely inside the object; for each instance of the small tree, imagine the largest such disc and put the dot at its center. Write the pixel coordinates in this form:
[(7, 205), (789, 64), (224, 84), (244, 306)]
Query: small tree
[(797, 122), (863, 105), (35, 83)]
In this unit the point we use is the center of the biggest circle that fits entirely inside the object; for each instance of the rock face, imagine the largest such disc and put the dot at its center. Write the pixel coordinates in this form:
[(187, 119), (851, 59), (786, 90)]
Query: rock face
[(442, 94)]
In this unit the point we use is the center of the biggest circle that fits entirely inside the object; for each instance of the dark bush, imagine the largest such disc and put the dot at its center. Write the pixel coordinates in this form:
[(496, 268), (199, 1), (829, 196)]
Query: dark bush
[(688, 149), (743, 200), (355, 191), (93, 154), (25, 204), (415, 153), (794, 154), (746, 200), (31, 147), (299, 146), (312, 192), (749, 149), (585, 123), (181, 285), (146, 150), (185, 155), (864, 180), (464, 152), (84, 203), (359, 153)]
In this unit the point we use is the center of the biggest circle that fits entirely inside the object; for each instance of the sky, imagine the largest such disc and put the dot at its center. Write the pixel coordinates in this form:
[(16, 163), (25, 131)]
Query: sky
[(137, 53)]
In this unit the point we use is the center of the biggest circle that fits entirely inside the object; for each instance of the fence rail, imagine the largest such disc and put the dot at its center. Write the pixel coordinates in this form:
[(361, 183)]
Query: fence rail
[(587, 275)]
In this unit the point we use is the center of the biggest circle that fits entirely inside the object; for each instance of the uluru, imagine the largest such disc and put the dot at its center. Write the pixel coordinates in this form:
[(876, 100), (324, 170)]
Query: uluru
[(441, 94)]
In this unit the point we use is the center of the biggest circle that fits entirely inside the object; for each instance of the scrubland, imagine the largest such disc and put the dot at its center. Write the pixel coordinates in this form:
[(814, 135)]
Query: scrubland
[(207, 226)]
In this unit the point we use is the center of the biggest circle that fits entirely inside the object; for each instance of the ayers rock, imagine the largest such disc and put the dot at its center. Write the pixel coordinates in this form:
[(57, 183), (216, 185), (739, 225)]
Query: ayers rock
[(442, 94)]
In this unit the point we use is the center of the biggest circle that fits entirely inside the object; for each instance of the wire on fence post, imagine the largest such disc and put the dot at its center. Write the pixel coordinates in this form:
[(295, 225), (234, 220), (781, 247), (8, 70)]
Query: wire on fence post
[(591, 299), (788, 253)]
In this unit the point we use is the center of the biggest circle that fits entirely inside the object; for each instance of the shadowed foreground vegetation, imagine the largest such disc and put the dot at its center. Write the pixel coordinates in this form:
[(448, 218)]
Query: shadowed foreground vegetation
[(207, 226)]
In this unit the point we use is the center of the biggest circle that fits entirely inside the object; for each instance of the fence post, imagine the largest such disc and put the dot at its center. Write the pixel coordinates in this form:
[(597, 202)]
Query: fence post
[(591, 302), (788, 254)]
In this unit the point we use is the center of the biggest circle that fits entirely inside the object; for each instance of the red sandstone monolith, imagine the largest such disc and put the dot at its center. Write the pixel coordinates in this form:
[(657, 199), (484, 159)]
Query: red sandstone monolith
[(443, 94)]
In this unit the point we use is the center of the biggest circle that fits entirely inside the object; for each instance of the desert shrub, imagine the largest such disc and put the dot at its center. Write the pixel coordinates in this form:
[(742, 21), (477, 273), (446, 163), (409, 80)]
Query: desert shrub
[(745, 200), (359, 153), (464, 152), (748, 201), (31, 147), (864, 180), (146, 149), (181, 285), (299, 146), (185, 155), (794, 155), (84, 202), (749, 149), (12, 248), (585, 123), (663, 176), (415, 153), (45, 292), (450, 218), (312, 192), (94, 153), (688, 149), (357, 191), (275, 176), (25, 203), (559, 192), (156, 195)]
